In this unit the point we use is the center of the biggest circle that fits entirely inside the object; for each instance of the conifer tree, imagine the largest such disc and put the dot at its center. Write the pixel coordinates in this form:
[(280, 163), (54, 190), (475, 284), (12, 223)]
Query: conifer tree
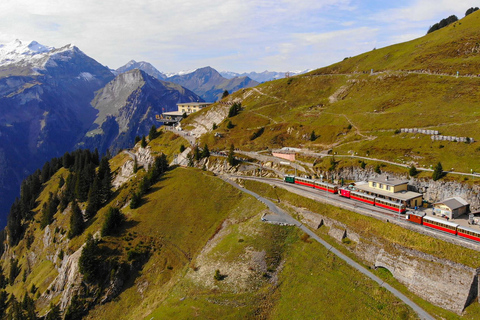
[(54, 313), (94, 199), (153, 133), (437, 172), (231, 156), (144, 142), (77, 225), (413, 171), (113, 221), (205, 151)]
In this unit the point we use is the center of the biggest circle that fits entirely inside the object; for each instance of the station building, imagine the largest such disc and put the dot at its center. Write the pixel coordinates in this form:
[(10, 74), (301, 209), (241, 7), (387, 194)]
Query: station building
[(174, 117), (391, 189)]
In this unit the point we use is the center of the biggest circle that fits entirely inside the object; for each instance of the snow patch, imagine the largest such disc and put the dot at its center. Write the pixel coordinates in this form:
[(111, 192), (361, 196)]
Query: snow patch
[(87, 76)]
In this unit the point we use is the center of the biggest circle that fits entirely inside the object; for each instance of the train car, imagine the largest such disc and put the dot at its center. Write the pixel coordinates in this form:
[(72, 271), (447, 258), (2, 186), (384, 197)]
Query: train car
[(362, 197), (289, 178), (390, 205), (305, 182), (415, 217), (440, 224), (325, 186), (344, 192), (468, 233)]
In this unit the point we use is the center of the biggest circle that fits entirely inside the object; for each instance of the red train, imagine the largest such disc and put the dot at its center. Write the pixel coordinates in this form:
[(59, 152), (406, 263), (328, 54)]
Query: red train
[(347, 193), (444, 226)]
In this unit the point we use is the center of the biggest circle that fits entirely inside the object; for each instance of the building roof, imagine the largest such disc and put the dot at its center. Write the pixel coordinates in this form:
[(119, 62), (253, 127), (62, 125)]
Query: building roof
[(402, 195), (194, 104), (453, 203), (173, 113), (389, 181)]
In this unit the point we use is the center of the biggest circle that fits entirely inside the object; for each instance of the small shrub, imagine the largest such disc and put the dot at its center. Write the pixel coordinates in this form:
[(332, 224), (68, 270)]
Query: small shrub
[(305, 238), (218, 276)]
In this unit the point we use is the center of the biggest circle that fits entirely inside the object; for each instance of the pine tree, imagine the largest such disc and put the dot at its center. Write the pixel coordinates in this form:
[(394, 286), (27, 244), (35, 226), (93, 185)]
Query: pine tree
[(144, 142), (89, 262), (153, 133), (105, 176), (437, 172), (231, 156), (3, 303), (54, 313), (14, 223), (313, 136), (113, 221), (94, 199), (225, 94), (205, 151), (77, 225), (377, 169), (413, 171)]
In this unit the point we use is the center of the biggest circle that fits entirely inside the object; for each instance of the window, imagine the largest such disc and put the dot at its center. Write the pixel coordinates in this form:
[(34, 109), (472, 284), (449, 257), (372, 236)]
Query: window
[(374, 184), (380, 185), (388, 188)]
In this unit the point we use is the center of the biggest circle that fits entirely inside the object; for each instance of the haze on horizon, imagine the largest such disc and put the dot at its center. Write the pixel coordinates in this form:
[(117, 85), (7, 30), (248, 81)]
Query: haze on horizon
[(233, 35)]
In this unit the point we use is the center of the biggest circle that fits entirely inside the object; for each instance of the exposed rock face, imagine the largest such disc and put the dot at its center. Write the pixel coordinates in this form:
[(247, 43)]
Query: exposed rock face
[(127, 107), (144, 158), (67, 281), (450, 285)]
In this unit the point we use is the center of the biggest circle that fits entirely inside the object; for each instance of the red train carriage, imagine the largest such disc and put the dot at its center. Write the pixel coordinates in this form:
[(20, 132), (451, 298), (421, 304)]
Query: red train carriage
[(344, 192), (468, 233), (440, 224), (415, 217), (325, 186), (305, 182), (391, 205), (362, 197)]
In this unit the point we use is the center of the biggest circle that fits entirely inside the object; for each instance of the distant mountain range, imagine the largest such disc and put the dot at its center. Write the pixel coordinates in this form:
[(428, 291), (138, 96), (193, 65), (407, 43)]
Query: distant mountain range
[(262, 76), (55, 100), (207, 82)]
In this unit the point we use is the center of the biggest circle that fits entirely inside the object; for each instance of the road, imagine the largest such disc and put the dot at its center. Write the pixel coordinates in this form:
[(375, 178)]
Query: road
[(290, 220)]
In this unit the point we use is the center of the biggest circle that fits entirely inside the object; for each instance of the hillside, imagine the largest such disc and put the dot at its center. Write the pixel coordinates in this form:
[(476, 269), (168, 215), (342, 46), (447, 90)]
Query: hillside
[(172, 247), (362, 113)]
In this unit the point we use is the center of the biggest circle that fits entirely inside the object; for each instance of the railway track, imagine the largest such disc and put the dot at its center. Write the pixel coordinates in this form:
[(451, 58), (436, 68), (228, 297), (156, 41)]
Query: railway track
[(375, 212)]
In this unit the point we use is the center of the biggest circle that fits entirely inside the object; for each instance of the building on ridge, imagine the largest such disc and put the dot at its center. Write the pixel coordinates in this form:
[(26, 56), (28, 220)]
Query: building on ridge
[(172, 118)]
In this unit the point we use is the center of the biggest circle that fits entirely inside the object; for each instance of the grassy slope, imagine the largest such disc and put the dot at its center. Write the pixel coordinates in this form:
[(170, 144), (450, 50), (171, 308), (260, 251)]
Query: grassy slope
[(448, 50), (368, 109)]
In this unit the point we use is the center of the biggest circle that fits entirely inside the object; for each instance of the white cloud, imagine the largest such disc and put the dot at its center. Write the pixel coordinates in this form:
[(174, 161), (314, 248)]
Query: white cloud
[(238, 35)]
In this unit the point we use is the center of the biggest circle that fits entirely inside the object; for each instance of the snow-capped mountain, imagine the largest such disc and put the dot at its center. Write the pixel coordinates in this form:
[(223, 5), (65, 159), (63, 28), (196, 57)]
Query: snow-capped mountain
[(17, 51), (142, 65)]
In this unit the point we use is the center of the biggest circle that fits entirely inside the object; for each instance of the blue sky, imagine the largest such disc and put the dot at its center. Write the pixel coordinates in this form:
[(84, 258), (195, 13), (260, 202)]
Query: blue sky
[(233, 35)]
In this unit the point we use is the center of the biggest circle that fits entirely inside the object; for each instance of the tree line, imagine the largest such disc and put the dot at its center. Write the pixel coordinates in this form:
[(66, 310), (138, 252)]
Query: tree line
[(83, 183)]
